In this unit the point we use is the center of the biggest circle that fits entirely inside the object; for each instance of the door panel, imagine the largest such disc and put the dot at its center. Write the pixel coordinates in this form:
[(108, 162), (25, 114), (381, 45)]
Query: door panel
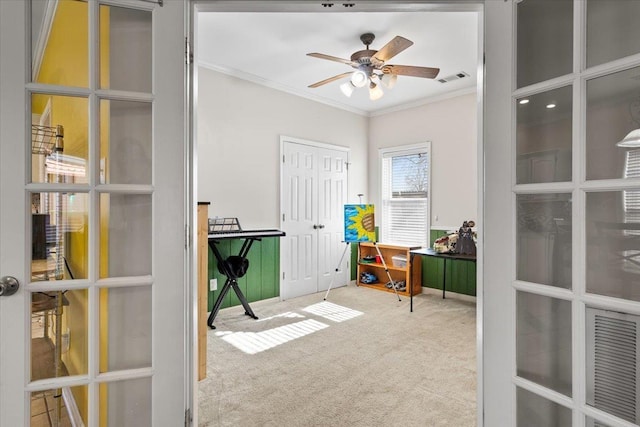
[(300, 243), (313, 218), (575, 238), (333, 178), (92, 214)]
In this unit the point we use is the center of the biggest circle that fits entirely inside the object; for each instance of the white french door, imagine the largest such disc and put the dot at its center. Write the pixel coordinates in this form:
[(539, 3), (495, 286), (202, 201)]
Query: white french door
[(313, 194), (562, 281), (92, 213)]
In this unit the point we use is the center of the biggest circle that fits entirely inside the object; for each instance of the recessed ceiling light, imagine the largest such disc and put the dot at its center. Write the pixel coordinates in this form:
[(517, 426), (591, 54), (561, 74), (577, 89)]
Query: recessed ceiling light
[(551, 105), (524, 101)]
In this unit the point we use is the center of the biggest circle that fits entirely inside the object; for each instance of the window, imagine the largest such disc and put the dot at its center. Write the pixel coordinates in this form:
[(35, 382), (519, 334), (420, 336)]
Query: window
[(405, 195)]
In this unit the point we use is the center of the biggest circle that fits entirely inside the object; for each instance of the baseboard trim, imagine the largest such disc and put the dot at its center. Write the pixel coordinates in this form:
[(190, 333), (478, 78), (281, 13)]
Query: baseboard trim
[(72, 408), (449, 294)]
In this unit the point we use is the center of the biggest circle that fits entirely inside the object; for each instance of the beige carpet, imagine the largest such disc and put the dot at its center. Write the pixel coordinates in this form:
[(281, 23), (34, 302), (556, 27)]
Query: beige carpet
[(358, 359)]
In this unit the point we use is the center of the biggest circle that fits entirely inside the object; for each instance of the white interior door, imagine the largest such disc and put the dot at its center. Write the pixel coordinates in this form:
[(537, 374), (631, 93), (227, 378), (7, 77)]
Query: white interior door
[(332, 195), (562, 283), (92, 213), (299, 247), (314, 183)]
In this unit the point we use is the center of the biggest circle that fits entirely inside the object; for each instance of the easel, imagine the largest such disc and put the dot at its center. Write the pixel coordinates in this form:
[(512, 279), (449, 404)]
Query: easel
[(384, 264), (346, 246)]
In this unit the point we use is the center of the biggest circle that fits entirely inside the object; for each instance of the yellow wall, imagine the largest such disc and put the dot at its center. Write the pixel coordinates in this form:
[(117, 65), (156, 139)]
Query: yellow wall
[(104, 215), (65, 62)]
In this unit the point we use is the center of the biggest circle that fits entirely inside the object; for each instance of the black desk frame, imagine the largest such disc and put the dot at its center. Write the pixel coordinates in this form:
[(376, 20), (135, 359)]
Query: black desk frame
[(232, 280), (445, 257)]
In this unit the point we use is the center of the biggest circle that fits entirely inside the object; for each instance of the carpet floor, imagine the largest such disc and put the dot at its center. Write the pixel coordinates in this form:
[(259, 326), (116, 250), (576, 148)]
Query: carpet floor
[(361, 358)]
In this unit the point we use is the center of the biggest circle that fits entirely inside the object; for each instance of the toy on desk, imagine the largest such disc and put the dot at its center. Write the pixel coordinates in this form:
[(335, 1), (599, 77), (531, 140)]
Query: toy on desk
[(446, 244), (465, 244), (461, 242)]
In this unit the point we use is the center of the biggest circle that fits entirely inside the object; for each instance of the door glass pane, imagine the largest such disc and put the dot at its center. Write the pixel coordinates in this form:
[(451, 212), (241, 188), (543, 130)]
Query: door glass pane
[(545, 40), (543, 137), (613, 125), (60, 42), (126, 403), (125, 142), (613, 243), (125, 328), (63, 407), (612, 30), (125, 235), (125, 49), (59, 139), (58, 333), (543, 341), (536, 411), (544, 239), (59, 236)]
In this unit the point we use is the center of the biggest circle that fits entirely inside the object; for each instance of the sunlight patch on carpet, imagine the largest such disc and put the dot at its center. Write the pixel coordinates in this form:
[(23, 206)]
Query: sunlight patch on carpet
[(287, 315), (255, 342), (334, 312)]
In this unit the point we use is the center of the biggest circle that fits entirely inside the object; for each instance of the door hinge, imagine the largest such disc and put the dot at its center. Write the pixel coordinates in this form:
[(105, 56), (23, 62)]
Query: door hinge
[(346, 164), (188, 54), (283, 158), (187, 418), (186, 236), (283, 217), (283, 275)]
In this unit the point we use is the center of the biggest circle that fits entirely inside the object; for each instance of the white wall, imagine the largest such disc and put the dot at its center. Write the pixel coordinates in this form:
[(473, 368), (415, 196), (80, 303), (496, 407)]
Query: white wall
[(239, 124), (451, 126)]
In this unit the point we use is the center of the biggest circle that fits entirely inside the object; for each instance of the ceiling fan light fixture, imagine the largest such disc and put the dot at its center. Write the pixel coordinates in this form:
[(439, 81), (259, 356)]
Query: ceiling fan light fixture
[(372, 68), (347, 89), (375, 92), (389, 80), (631, 140), (359, 78)]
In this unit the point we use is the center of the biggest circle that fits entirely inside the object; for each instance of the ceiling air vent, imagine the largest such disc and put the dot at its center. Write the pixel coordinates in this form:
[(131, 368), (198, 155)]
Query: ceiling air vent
[(612, 363), (452, 77)]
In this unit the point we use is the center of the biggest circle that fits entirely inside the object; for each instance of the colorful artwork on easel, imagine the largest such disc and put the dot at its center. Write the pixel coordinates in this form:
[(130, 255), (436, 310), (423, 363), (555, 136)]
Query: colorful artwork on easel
[(359, 223)]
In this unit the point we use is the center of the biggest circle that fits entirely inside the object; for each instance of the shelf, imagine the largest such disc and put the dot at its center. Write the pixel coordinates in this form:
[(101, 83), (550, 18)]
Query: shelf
[(377, 265), (381, 287), (411, 274)]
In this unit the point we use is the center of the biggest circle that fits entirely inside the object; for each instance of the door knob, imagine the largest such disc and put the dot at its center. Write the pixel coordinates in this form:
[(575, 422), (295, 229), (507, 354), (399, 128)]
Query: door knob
[(320, 226), (8, 285), (315, 226)]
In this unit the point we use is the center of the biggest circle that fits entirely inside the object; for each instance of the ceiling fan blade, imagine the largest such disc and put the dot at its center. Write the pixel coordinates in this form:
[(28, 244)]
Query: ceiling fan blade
[(391, 49), (408, 70), (333, 58), (331, 79)]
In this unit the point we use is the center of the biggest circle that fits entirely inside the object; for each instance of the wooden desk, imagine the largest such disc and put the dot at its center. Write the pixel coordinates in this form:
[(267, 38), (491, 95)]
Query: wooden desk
[(203, 286), (445, 256)]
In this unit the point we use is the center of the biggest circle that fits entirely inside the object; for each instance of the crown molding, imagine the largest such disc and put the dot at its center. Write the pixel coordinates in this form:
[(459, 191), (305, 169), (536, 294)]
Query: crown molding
[(284, 88), (424, 101)]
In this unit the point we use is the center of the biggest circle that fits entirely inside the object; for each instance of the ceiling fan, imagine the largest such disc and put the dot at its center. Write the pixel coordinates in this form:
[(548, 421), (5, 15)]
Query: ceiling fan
[(371, 67)]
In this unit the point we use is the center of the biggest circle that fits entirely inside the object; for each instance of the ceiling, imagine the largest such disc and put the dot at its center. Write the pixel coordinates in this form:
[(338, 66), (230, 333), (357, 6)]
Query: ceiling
[(270, 49)]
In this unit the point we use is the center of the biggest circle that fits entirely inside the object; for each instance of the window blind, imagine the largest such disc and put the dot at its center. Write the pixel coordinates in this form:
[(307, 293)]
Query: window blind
[(405, 197)]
